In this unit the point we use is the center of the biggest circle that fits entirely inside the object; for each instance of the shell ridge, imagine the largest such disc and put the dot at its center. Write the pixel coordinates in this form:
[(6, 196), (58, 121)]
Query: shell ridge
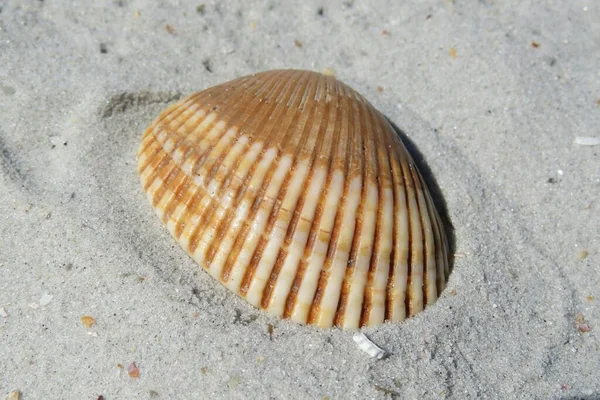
[(423, 229), (376, 255), (415, 287), (401, 262), (408, 295), (315, 313), (235, 192), (291, 297), (363, 249), (432, 249), (305, 126), (315, 145), (163, 195), (308, 263), (253, 111), (200, 164), (206, 201), (249, 269), (261, 176), (439, 244), (389, 300), (245, 183), (157, 161), (357, 148), (429, 288), (278, 112), (261, 209), (217, 189), (151, 130), (198, 160), (165, 177), (387, 236)]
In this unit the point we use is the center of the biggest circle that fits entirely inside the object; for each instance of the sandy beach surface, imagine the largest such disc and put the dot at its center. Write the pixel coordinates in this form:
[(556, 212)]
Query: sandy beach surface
[(493, 94)]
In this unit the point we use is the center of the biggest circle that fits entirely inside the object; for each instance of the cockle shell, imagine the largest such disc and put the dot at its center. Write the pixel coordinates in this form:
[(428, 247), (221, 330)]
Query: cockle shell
[(294, 192)]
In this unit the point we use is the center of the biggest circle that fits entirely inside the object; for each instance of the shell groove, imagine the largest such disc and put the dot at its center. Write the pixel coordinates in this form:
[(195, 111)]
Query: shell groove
[(294, 192)]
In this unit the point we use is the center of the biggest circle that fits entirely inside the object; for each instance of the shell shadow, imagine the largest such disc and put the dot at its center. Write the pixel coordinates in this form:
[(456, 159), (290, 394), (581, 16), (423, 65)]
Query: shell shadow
[(434, 189)]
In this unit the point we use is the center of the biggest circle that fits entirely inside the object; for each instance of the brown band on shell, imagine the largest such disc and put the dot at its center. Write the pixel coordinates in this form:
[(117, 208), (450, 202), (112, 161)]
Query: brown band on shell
[(288, 125), (338, 161), (331, 130), (356, 164), (302, 147), (268, 85), (244, 190)]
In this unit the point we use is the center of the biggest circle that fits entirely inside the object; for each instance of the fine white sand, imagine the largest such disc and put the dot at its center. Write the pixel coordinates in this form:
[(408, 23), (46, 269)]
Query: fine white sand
[(491, 93)]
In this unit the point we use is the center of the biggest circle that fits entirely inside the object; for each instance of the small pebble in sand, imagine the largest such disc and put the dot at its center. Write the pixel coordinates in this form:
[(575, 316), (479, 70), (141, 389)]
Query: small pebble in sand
[(153, 394), (45, 299), (88, 321), (14, 395), (584, 328), (452, 52), (298, 43), (3, 312), (270, 329), (535, 44), (170, 29), (380, 89), (133, 371), (385, 32), (582, 255)]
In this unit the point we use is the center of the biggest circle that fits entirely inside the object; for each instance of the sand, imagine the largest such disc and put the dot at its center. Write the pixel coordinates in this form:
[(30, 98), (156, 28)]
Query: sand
[(491, 93)]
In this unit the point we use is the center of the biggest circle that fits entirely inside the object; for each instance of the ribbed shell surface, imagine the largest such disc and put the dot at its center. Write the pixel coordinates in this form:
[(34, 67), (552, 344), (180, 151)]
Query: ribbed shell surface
[(291, 190)]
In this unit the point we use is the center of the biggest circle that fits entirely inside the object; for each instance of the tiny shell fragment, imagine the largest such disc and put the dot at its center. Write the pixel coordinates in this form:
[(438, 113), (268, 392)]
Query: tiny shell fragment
[(584, 328), (3, 312), (133, 371), (14, 395), (582, 255), (587, 141), (88, 321), (366, 345), (294, 192), (46, 299)]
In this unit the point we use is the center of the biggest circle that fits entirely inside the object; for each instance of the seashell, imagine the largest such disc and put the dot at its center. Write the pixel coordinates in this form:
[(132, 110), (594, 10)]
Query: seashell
[(294, 192)]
